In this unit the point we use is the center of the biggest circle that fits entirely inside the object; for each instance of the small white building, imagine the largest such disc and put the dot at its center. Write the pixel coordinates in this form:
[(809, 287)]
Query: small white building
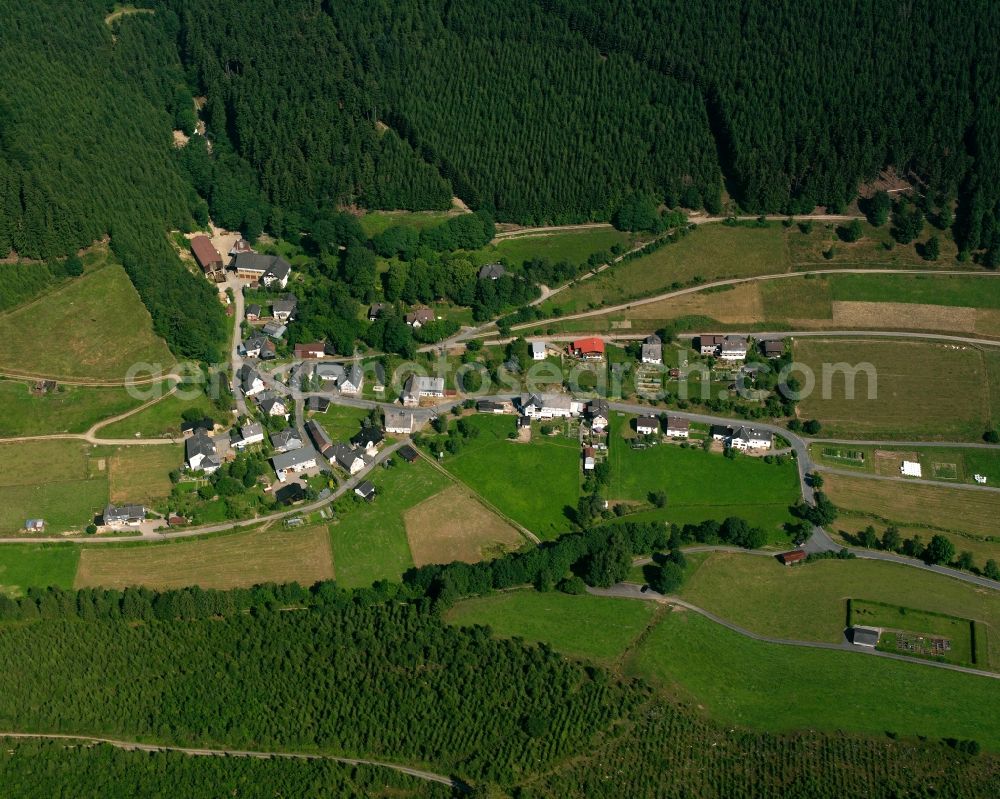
[(538, 350), (652, 350), (353, 381), (911, 469), (647, 425), (250, 433)]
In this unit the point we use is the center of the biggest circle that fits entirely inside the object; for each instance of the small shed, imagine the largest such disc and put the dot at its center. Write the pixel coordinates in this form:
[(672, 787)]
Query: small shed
[(794, 556), (365, 490), (35, 525)]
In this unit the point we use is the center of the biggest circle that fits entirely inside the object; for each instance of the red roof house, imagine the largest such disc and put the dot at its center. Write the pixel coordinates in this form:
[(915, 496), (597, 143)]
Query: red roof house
[(315, 349), (205, 254), (592, 347), (795, 556)]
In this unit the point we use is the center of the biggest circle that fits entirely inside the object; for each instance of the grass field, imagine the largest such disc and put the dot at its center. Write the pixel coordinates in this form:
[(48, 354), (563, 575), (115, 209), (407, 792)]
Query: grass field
[(533, 483), (945, 507), (454, 525), (849, 523), (701, 485), (573, 246), (973, 291), (595, 628), (778, 688), (899, 618), (949, 464), (922, 390), (340, 421), (375, 222), (161, 419), (55, 480), (369, 542), (68, 409), (808, 602), (142, 474), (93, 327), (24, 566), (228, 561)]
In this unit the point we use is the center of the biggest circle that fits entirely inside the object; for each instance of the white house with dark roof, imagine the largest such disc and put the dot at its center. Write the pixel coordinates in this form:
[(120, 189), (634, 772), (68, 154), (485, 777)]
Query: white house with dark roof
[(250, 433), (493, 271), (599, 413), (652, 350), (271, 270), (250, 381), (272, 404), (419, 386), (647, 425), (734, 348), (200, 453), (743, 437), (365, 490), (330, 372), (550, 406), (353, 380), (349, 459), (123, 515), (296, 460), (677, 427), (286, 440), (284, 309)]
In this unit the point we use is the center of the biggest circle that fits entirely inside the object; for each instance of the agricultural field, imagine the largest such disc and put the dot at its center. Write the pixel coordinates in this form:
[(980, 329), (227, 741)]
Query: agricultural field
[(161, 419), (369, 541), (533, 483), (850, 523), (909, 631), (227, 561), (68, 409), (67, 334), (590, 627), (701, 485), (748, 683), (142, 474), (57, 480), (454, 525), (947, 464), (24, 566), (945, 507), (920, 390), (808, 602)]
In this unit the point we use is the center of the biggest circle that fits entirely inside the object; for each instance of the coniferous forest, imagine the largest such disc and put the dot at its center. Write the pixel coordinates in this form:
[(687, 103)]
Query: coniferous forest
[(534, 111)]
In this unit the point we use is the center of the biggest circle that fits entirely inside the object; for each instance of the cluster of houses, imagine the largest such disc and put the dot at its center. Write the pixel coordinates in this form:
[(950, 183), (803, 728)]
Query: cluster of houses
[(673, 426), (735, 348), (267, 270), (269, 402), (260, 343)]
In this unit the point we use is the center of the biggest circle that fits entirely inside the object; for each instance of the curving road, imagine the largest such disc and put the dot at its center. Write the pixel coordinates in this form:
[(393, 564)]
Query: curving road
[(137, 746), (633, 591)]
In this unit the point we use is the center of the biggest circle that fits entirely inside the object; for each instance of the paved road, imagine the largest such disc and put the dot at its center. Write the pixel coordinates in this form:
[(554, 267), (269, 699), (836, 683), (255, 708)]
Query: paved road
[(633, 591), (234, 355), (137, 746), (969, 340), (898, 478)]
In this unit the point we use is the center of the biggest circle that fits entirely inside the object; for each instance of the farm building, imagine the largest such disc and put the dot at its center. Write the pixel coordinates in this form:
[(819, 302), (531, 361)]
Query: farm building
[(794, 556), (865, 636), (206, 255), (419, 317)]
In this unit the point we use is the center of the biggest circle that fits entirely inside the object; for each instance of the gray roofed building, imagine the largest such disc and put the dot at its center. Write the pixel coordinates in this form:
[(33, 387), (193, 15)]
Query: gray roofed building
[(295, 460), (330, 372), (277, 272), (376, 310), (274, 329), (121, 515), (398, 422), (250, 380), (492, 271), (865, 636), (253, 311), (418, 386), (273, 405), (773, 348), (652, 350), (284, 309), (318, 404), (353, 380), (250, 433), (200, 453), (538, 352), (647, 425), (365, 490), (321, 439), (419, 317), (349, 459), (256, 266), (379, 372), (286, 440), (368, 438)]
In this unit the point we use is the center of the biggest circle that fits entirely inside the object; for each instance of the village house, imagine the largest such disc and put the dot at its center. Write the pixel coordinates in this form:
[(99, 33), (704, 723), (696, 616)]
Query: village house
[(743, 437), (647, 425), (296, 460), (272, 404), (365, 490), (652, 350), (314, 349), (375, 311), (200, 453), (709, 345), (677, 427), (599, 413), (321, 439), (589, 349), (538, 350), (205, 425), (123, 515), (773, 348), (274, 329), (419, 386), (734, 348), (353, 381), (589, 460), (271, 270), (253, 312), (368, 439), (493, 271), (251, 347), (283, 309), (206, 255), (250, 381), (419, 317), (349, 459), (398, 422), (286, 440), (318, 404), (330, 372), (240, 246), (378, 381), (250, 433), (550, 406)]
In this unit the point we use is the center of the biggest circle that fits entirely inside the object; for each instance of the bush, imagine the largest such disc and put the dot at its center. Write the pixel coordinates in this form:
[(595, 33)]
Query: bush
[(991, 437)]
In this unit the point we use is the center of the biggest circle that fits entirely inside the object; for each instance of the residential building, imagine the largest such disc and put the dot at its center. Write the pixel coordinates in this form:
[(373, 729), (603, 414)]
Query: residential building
[(123, 515), (589, 461), (794, 556), (376, 310), (365, 490), (274, 329), (277, 274), (709, 345), (347, 458), (271, 270), (773, 348), (205, 425), (321, 439), (314, 349), (368, 439), (296, 460), (677, 427), (591, 348), (250, 433), (865, 636), (286, 440), (253, 312), (647, 425), (284, 309), (206, 255), (599, 413), (272, 404), (378, 383), (419, 317), (353, 380), (538, 350), (489, 406), (550, 406), (250, 381), (240, 246), (290, 494), (492, 271), (743, 437), (652, 350), (523, 422), (251, 347), (398, 422), (733, 348), (420, 386), (200, 453), (330, 372), (318, 404)]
